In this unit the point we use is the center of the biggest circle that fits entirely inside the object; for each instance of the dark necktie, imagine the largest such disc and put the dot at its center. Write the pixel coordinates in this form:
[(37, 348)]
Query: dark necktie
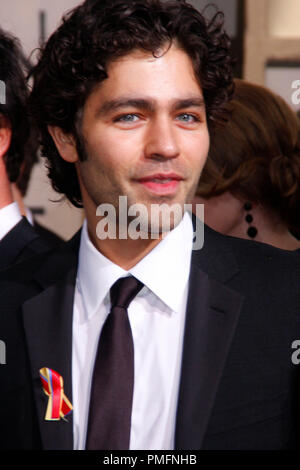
[(112, 384)]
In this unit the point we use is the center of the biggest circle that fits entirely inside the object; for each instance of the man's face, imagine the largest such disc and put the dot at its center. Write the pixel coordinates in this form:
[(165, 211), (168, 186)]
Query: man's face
[(145, 133)]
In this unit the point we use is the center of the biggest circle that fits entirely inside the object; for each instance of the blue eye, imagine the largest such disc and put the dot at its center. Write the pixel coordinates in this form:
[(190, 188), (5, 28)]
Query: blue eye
[(127, 118), (189, 118)]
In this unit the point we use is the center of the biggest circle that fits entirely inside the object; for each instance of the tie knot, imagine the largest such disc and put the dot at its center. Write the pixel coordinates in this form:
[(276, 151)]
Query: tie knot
[(124, 290)]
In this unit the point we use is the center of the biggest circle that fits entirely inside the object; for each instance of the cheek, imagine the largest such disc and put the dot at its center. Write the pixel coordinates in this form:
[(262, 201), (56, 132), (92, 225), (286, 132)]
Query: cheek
[(204, 144), (198, 141), (113, 149), (197, 149)]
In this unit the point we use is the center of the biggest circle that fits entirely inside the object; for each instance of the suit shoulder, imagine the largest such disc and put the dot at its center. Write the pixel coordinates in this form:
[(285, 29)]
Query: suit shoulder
[(48, 235), (52, 263), (250, 248), (222, 255)]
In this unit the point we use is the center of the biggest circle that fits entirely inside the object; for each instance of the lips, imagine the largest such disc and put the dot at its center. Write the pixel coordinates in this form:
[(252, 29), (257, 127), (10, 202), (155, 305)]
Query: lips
[(161, 177), (161, 183)]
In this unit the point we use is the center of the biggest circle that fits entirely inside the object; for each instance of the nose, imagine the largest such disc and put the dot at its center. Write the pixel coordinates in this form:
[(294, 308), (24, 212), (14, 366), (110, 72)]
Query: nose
[(161, 140)]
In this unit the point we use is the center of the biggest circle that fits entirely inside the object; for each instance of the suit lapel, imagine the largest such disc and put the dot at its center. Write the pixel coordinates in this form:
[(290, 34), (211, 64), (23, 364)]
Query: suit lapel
[(211, 318), (47, 321)]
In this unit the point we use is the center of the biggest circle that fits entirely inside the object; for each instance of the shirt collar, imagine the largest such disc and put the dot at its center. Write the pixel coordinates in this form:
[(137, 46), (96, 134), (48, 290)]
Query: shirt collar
[(29, 216), (164, 270), (9, 217)]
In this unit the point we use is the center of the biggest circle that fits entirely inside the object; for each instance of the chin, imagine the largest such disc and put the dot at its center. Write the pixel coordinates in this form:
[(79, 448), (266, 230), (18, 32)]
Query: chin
[(165, 220)]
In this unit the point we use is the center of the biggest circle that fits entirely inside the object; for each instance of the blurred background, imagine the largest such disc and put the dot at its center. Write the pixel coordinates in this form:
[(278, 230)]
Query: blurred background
[(265, 38)]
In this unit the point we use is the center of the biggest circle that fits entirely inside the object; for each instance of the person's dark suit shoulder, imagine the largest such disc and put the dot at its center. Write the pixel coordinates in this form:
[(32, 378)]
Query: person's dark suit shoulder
[(24, 241), (47, 234)]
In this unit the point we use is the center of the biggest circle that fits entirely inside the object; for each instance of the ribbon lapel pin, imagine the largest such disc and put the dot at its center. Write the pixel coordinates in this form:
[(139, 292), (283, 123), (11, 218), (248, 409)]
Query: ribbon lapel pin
[(58, 404)]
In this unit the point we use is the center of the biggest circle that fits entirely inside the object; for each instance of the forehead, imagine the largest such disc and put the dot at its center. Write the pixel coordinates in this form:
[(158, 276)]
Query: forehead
[(165, 78)]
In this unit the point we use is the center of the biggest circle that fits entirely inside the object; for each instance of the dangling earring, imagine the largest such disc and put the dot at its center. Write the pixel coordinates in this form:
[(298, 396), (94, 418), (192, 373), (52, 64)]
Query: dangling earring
[(252, 231)]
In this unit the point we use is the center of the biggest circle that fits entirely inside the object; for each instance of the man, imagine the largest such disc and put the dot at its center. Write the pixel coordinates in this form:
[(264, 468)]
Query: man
[(18, 147), (198, 354)]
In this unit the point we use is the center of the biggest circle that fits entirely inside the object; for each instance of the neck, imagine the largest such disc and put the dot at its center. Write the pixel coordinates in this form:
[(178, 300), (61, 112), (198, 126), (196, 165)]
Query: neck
[(126, 253), (6, 196), (17, 196), (269, 230)]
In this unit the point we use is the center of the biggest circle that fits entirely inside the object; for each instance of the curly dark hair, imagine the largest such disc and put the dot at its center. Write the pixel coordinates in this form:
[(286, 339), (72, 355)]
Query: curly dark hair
[(77, 55), (14, 67)]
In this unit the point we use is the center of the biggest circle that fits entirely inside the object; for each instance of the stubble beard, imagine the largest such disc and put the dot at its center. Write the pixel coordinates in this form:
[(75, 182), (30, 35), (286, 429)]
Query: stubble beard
[(157, 216)]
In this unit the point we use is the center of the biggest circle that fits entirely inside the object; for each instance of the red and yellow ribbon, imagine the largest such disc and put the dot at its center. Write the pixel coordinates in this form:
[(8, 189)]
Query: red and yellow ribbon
[(53, 386)]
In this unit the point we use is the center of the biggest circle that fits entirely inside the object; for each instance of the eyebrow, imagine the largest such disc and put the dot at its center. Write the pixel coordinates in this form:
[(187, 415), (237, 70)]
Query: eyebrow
[(146, 104)]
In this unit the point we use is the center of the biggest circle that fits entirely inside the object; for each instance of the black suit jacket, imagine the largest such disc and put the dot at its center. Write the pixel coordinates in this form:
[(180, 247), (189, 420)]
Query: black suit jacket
[(238, 384), (52, 238), (24, 241)]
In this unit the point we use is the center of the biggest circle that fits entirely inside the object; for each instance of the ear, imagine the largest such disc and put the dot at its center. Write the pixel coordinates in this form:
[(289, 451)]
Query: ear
[(65, 144), (5, 135)]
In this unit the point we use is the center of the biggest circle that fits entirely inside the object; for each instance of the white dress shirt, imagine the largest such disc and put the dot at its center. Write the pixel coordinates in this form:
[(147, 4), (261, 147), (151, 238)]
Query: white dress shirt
[(157, 318), (9, 217)]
